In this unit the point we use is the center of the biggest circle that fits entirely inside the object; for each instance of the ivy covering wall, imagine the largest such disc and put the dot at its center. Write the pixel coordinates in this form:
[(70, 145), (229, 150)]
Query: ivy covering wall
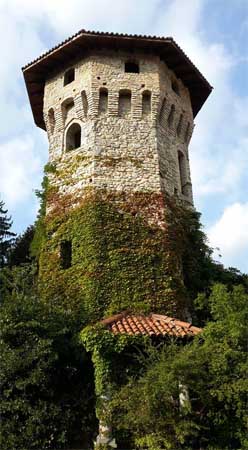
[(126, 252)]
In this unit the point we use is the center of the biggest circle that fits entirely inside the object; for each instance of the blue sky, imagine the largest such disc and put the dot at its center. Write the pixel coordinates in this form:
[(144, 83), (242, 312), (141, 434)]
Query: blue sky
[(213, 33)]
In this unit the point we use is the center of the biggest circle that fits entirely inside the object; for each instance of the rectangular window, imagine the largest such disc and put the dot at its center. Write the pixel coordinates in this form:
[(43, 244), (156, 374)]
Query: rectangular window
[(124, 107), (65, 254), (131, 67)]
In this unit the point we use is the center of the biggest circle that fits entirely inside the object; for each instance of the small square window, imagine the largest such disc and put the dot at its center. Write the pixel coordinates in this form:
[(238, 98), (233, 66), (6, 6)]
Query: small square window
[(69, 76), (132, 67)]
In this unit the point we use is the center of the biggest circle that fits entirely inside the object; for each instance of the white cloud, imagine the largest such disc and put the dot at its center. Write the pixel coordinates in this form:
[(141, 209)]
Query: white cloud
[(68, 17), (222, 172), (230, 234), (218, 151), (20, 170), (219, 157)]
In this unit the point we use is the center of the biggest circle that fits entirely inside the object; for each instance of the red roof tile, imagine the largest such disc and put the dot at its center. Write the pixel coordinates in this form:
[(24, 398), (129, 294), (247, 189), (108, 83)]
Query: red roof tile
[(152, 325)]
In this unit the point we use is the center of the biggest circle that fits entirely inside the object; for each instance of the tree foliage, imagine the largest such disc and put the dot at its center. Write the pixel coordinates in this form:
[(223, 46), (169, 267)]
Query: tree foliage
[(6, 236), (119, 257), (20, 250), (47, 397), (214, 368)]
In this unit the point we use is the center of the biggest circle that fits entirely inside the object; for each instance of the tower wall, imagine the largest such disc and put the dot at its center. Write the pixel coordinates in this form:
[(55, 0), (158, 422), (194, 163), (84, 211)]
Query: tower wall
[(132, 150), (107, 198)]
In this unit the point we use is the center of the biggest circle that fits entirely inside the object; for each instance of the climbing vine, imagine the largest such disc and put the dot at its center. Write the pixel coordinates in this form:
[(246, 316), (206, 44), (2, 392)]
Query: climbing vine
[(107, 351), (125, 253)]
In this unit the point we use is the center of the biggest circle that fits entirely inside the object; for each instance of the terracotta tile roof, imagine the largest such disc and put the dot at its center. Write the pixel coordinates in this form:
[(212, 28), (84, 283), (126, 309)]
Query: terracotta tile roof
[(152, 325), (81, 43)]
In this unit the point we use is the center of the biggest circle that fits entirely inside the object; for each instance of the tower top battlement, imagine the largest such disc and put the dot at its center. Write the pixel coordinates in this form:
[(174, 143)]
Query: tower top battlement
[(122, 107), (82, 43)]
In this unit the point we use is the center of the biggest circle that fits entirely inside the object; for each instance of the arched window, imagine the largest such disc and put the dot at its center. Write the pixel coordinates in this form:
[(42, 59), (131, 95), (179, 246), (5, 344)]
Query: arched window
[(182, 171), (171, 116), (186, 135), (51, 120), (131, 67), (84, 103), (162, 112), (67, 106), (73, 137), (69, 76), (146, 103), (124, 107), (179, 126), (175, 86), (103, 101)]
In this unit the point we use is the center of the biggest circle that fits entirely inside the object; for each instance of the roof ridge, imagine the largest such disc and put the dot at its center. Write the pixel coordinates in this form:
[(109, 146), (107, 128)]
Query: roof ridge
[(177, 321), (114, 318), (114, 34), (97, 33)]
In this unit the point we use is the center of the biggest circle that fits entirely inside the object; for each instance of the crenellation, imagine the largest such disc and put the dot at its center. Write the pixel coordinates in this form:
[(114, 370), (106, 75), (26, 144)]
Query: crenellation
[(138, 122)]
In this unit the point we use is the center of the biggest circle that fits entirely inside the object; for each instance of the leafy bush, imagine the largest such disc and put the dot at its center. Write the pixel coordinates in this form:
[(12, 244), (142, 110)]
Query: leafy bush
[(46, 381), (214, 368)]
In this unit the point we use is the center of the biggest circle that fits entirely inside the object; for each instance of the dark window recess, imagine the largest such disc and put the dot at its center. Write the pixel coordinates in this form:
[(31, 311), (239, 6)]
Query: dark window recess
[(146, 103), (171, 116), (124, 107), (103, 101), (65, 254), (67, 106), (69, 76), (179, 126), (182, 171), (186, 135), (51, 119), (175, 87), (73, 137), (162, 113), (85, 103), (77, 139), (131, 67)]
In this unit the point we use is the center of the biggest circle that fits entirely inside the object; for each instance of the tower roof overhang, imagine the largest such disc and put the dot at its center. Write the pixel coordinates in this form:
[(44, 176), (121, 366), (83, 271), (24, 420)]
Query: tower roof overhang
[(81, 43)]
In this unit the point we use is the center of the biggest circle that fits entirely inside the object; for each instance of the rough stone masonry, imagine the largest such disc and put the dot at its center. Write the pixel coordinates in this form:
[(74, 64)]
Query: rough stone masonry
[(135, 127), (118, 111)]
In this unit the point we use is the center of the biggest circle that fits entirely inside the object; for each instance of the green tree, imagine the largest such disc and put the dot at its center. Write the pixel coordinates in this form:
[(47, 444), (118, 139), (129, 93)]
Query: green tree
[(6, 236), (20, 250), (214, 368), (47, 397)]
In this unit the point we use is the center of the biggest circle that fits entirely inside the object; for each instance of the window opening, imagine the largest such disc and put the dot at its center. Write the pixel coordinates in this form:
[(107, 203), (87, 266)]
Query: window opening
[(131, 67), (186, 136), (124, 107), (175, 86), (51, 120), (146, 103), (182, 171), (67, 106), (179, 126), (73, 137), (65, 254), (103, 101), (162, 113), (85, 103), (69, 76), (171, 116)]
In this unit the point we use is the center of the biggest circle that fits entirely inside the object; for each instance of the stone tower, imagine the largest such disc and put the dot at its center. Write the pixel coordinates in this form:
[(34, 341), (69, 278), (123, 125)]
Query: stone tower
[(118, 111)]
